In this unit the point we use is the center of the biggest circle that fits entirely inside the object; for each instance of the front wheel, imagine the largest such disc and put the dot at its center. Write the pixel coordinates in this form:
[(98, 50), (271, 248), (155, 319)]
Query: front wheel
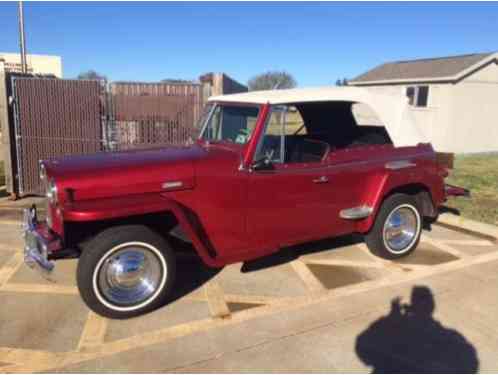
[(126, 271), (397, 228)]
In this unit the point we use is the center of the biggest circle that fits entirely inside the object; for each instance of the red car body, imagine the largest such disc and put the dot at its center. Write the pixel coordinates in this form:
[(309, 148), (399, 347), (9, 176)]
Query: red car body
[(229, 212), (269, 170)]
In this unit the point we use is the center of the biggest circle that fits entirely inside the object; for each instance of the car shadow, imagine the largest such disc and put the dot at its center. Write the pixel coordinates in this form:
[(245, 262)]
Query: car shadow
[(288, 254), (191, 272), (410, 340)]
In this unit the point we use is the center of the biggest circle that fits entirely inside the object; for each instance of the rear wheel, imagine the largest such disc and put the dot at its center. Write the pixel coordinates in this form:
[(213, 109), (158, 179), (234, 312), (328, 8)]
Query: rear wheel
[(397, 228), (126, 271)]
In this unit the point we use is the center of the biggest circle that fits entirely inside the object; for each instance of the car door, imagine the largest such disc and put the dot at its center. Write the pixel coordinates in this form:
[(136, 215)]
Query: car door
[(288, 201), (288, 205)]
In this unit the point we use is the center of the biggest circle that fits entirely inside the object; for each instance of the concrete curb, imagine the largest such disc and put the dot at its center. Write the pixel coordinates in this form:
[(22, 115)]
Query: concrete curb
[(463, 224)]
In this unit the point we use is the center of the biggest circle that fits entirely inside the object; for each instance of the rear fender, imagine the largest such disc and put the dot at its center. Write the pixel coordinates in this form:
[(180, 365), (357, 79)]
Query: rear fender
[(387, 183)]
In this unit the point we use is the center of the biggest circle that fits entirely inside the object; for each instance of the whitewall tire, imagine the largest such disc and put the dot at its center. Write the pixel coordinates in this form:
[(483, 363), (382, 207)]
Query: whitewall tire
[(126, 271), (397, 227)]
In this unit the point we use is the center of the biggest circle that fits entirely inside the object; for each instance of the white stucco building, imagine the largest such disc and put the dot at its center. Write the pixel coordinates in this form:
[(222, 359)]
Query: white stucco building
[(37, 64), (454, 99)]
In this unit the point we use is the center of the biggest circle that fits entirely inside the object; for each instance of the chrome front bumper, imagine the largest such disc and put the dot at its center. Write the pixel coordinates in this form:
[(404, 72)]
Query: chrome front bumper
[(39, 242)]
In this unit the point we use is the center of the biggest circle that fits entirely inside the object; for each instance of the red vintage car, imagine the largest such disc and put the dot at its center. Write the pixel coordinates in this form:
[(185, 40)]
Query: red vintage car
[(269, 169)]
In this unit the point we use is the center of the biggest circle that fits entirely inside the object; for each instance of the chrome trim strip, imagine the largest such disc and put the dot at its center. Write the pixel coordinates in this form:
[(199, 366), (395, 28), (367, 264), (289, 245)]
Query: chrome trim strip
[(172, 184), (399, 164), (354, 213)]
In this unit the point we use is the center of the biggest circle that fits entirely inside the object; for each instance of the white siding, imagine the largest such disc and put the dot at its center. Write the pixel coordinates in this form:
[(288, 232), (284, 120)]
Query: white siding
[(474, 112)]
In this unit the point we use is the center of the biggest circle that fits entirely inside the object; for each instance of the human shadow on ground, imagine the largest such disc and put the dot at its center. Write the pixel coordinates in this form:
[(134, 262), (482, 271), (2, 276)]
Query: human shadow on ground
[(410, 340)]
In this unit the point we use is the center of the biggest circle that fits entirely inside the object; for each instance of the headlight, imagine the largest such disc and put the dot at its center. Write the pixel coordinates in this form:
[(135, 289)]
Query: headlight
[(52, 192), (48, 185)]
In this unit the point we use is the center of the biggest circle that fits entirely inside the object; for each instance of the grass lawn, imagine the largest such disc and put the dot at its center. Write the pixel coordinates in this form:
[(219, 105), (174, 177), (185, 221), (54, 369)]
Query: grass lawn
[(479, 173)]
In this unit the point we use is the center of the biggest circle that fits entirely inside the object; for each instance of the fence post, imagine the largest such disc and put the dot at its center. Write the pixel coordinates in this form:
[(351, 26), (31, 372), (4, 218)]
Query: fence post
[(5, 131)]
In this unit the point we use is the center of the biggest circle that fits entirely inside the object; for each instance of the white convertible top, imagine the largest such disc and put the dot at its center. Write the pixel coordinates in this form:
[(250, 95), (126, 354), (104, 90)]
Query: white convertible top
[(392, 110)]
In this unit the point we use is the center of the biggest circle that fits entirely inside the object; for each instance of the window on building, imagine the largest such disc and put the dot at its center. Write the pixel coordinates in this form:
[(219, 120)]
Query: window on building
[(410, 93), (423, 94), (418, 95)]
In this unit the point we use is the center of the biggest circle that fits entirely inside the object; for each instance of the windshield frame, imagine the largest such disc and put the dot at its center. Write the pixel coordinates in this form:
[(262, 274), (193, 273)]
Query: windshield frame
[(208, 117)]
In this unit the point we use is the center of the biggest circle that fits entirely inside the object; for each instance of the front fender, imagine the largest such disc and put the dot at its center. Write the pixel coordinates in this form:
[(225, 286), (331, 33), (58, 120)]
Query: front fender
[(140, 204)]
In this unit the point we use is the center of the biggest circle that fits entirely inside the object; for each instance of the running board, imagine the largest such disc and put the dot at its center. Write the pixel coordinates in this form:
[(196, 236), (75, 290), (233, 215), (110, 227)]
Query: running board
[(354, 213)]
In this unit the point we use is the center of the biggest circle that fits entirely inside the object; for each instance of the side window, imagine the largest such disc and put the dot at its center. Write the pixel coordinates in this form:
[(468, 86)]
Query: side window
[(272, 147), (286, 139), (294, 122)]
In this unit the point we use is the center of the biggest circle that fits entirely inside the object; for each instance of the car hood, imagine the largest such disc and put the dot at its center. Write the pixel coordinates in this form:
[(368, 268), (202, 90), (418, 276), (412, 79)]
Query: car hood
[(110, 174)]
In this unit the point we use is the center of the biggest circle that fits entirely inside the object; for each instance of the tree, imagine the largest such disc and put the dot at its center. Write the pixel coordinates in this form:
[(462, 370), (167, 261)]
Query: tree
[(92, 74), (271, 80)]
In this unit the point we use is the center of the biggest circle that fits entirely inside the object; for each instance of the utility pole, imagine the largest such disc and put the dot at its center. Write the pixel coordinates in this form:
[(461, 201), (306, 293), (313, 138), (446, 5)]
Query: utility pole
[(22, 39)]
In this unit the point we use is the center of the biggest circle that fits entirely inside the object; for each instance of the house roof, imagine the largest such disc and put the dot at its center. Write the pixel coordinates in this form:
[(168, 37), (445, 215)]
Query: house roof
[(392, 110), (433, 69)]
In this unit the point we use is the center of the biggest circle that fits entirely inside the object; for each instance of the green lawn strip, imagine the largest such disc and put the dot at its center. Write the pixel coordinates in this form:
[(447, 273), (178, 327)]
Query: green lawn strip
[(479, 174)]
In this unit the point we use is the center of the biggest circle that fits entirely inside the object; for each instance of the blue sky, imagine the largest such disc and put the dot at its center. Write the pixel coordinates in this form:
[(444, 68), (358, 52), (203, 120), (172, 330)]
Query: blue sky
[(316, 42)]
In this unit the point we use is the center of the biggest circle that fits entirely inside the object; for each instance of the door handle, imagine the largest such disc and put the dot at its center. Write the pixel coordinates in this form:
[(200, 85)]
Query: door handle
[(321, 180)]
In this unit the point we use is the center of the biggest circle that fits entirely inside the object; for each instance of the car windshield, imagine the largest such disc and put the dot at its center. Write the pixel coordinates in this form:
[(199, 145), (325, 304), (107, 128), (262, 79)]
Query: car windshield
[(230, 123)]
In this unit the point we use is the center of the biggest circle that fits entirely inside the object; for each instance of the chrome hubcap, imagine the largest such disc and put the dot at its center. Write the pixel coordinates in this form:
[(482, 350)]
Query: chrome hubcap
[(130, 276), (400, 229)]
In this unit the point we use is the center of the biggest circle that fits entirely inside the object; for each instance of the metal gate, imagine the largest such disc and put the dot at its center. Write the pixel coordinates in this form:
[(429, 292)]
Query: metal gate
[(52, 118), (142, 114), (55, 117)]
